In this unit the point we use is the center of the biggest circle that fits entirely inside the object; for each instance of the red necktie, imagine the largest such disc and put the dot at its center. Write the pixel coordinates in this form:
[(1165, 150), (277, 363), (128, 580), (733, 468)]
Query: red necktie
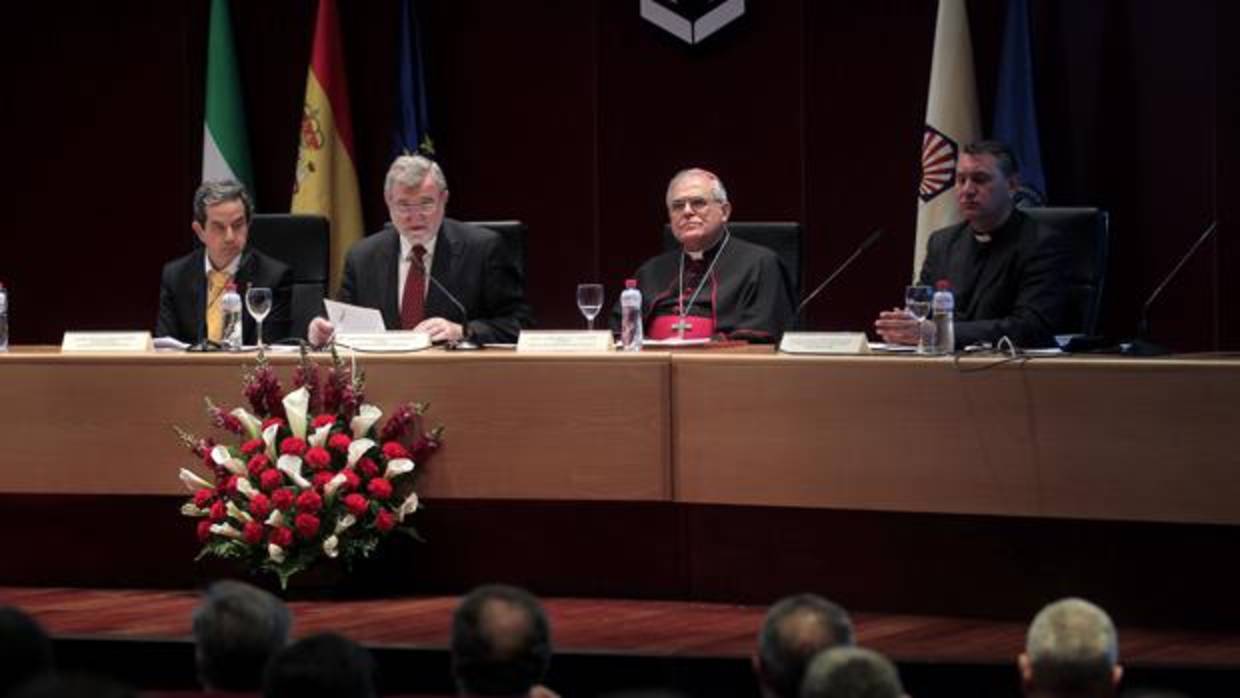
[(413, 300)]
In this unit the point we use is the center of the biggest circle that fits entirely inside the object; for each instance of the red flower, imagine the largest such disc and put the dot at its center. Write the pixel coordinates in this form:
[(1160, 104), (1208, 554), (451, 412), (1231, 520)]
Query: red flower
[(317, 457), (292, 446), (253, 532), (257, 464), (368, 467), (339, 442), (385, 521), (394, 450), (218, 511), (424, 447), (323, 420), (281, 536), (307, 525), (204, 531), (260, 506), (356, 504), (351, 480), (203, 497), (270, 479), (252, 446), (282, 498), (309, 501), (379, 488), (320, 479), (271, 420)]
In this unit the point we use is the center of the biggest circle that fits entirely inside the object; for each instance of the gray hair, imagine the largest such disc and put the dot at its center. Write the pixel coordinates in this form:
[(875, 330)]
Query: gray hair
[(237, 627), (1072, 644), (795, 629), (851, 672), (716, 185), (214, 192), (411, 171)]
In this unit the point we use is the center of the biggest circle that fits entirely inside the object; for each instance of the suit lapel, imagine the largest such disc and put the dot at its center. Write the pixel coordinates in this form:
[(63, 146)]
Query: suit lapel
[(389, 279), (446, 261)]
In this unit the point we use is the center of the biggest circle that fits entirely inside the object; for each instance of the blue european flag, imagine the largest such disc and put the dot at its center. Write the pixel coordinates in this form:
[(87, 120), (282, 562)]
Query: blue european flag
[(1016, 118), (411, 133)]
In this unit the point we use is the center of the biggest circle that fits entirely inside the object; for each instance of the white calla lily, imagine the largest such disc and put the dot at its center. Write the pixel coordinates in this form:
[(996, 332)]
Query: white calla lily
[(192, 482), (188, 509), (295, 405), (397, 467), (251, 423), (275, 518), (331, 546), (238, 513), (357, 449), (329, 490), (275, 552), (344, 523), (319, 437), (245, 488), (222, 456), (291, 465), (366, 417), (408, 506), (269, 440), (226, 530)]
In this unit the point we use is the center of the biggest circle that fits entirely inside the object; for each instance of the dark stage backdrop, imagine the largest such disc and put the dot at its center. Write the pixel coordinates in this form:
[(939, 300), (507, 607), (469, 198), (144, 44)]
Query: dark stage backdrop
[(572, 114)]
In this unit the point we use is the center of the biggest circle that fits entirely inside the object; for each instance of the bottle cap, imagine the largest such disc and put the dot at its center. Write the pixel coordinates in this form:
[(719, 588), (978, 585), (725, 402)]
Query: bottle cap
[(943, 285), (630, 283)]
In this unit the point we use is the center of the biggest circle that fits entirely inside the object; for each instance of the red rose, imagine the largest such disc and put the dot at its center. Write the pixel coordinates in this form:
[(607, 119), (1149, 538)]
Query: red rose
[(282, 498), (204, 531), (260, 506), (339, 442), (228, 485), (307, 525), (385, 521), (351, 480), (368, 467), (257, 464), (252, 446), (293, 446), (317, 457), (271, 420), (218, 511), (203, 497), (253, 533), (379, 488), (281, 536), (323, 420), (394, 450), (270, 479), (320, 479), (356, 504), (309, 501)]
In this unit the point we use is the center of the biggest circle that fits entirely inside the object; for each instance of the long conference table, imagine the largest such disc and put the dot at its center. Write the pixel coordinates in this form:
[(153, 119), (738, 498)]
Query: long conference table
[(1088, 438)]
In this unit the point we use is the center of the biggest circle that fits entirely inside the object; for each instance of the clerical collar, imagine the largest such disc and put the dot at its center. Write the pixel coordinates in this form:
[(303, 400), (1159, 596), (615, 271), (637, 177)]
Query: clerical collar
[(989, 236), (699, 255)]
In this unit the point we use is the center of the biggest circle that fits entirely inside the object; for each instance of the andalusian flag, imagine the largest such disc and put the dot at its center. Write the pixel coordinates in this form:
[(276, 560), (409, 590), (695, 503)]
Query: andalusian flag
[(326, 177), (225, 146), (951, 123)]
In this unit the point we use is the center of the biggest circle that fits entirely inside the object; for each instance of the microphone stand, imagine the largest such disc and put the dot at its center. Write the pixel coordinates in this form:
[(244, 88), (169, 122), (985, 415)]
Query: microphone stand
[(1142, 346)]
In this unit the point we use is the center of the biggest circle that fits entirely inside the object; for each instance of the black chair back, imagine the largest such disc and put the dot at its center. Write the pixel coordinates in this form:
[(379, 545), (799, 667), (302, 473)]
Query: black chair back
[(513, 235), (1089, 231), (304, 243), (784, 238)]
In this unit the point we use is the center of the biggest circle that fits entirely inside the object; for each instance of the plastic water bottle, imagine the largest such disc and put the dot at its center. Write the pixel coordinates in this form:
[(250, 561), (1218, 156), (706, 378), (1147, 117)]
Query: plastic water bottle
[(944, 305), (631, 317), (230, 304), (4, 319)]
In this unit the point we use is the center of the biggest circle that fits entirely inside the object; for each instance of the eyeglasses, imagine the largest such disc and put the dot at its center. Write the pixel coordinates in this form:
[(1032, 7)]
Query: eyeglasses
[(696, 204), (420, 206)]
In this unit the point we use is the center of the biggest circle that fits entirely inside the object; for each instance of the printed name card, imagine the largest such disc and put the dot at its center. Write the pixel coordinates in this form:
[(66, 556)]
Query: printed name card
[(824, 343), (565, 341), (394, 340), (75, 342)]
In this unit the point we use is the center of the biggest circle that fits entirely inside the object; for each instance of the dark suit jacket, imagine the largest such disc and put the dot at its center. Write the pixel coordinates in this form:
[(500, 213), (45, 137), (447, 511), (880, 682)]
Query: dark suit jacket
[(183, 297), (1014, 286), (469, 261)]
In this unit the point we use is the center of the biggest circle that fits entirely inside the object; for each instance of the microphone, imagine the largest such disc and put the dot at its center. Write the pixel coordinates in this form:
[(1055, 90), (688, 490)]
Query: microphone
[(464, 343), (1142, 346), (865, 245)]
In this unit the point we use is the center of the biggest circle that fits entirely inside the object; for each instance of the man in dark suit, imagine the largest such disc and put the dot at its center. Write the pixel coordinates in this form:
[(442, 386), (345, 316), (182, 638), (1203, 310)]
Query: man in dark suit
[(191, 286), (429, 273), (1005, 269)]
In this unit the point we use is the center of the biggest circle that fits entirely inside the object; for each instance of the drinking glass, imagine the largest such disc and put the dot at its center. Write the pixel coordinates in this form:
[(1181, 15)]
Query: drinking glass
[(590, 301), (258, 302), (917, 301)]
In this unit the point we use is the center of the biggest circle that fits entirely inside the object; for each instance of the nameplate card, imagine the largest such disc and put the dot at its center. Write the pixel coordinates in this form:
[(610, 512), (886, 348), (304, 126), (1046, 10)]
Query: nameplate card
[(824, 343), (394, 340), (86, 342), (565, 341)]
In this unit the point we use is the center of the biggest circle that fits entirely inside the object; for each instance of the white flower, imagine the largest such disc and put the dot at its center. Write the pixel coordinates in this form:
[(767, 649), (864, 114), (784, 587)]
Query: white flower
[(188, 509), (334, 484), (192, 482), (221, 456), (366, 417), (357, 449), (291, 465), (226, 530), (407, 507), (238, 513), (345, 522), (251, 423), (319, 437), (295, 405), (275, 518), (275, 552), (398, 466), (330, 546), (269, 439), (245, 488)]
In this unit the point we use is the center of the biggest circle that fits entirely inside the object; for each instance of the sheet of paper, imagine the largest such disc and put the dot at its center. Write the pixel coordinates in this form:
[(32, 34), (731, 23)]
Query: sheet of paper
[(353, 319)]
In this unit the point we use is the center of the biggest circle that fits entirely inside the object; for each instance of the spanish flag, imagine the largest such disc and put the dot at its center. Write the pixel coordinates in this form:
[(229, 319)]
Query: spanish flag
[(326, 182)]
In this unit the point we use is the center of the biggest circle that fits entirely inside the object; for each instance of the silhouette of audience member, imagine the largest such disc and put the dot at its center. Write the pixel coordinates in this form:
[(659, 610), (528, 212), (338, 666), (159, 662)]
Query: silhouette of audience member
[(73, 687), (323, 666), (795, 629), (25, 649), (501, 643), (851, 672), (237, 629), (1071, 651)]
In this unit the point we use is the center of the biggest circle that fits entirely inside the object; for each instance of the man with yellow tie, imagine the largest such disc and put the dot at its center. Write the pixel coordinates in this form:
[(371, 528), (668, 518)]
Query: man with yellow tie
[(192, 286)]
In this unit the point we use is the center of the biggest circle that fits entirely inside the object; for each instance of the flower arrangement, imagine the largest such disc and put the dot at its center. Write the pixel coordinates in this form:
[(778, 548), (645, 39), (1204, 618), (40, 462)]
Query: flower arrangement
[(314, 475)]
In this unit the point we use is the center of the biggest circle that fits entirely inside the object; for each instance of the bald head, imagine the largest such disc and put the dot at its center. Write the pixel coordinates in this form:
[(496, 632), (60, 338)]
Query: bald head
[(796, 628), (501, 641), (1071, 649)]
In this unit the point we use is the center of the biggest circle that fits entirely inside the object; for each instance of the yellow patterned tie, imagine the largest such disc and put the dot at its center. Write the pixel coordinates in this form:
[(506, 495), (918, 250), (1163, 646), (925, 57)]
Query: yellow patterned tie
[(217, 281)]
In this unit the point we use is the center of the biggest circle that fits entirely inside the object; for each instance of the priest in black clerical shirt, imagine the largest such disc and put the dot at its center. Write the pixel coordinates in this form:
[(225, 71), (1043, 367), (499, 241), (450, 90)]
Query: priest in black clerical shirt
[(1006, 270), (715, 286)]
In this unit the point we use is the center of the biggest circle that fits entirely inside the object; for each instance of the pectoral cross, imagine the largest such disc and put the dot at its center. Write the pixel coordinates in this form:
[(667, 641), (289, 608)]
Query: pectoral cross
[(681, 326)]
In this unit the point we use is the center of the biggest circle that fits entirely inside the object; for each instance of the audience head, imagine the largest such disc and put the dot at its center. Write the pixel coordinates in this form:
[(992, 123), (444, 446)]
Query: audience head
[(416, 193), (222, 213), (851, 672), (795, 629), (237, 628), (324, 666), (697, 208), (501, 642), (25, 649), (1071, 649), (987, 179)]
